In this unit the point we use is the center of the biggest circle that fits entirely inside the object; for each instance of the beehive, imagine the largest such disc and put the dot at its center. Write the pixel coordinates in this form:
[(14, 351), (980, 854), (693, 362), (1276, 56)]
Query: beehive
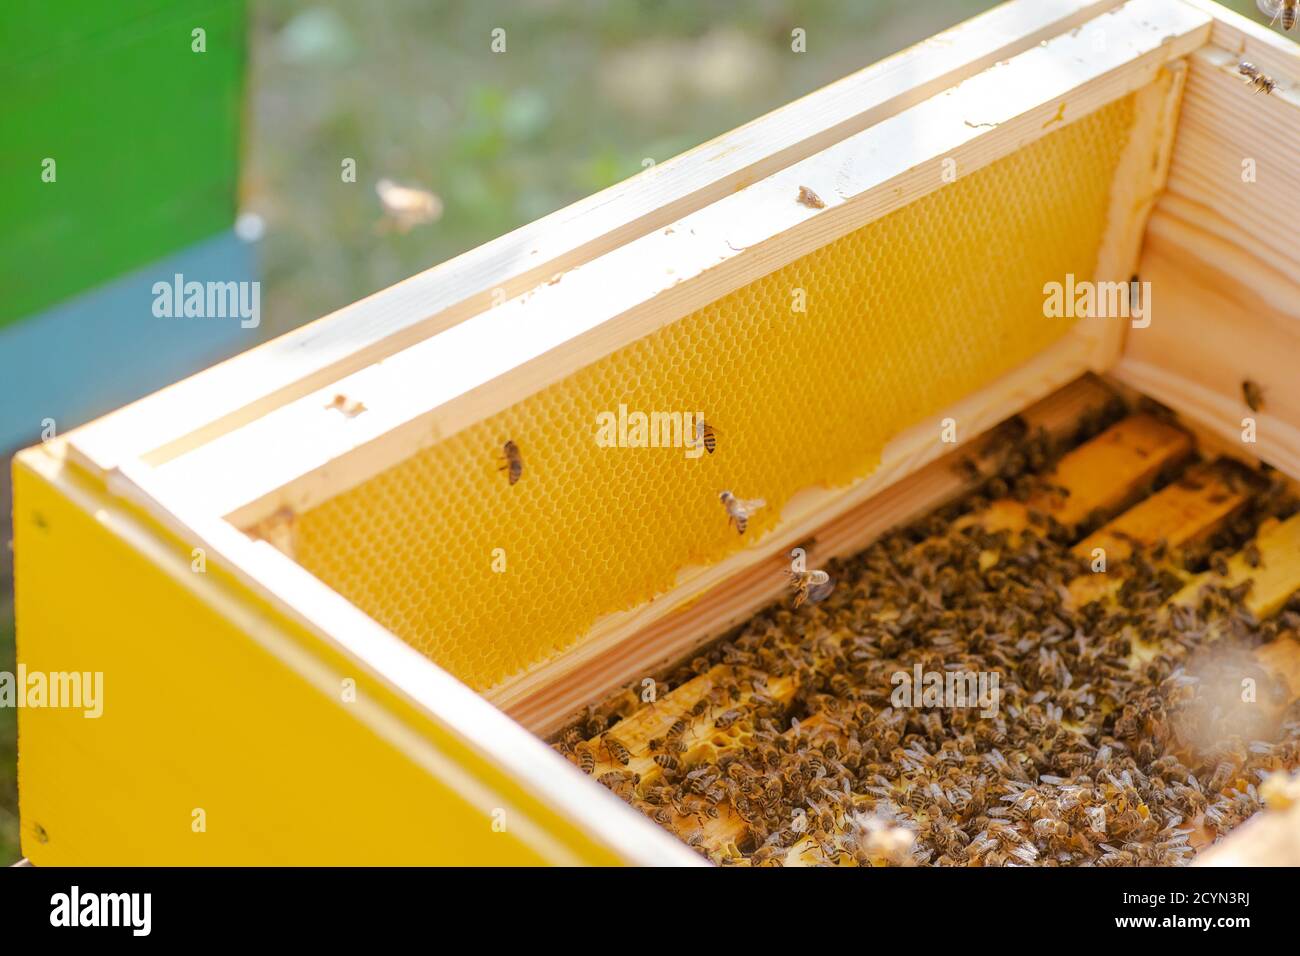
[(320, 525)]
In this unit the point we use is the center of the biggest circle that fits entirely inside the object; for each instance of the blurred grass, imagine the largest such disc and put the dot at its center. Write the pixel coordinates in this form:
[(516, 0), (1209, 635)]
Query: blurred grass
[(584, 94), (410, 90)]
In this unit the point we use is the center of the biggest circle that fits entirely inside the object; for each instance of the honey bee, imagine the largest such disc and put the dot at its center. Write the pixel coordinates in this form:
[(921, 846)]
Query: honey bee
[(1250, 391), (705, 435), (1263, 83), (586, 759), (514, 461), (1283, 12), (811, 586), (810, 198), (569, 739), (726, 719), (621, 782), (349, 407), (407, 206), (740, 510), (617, 751)]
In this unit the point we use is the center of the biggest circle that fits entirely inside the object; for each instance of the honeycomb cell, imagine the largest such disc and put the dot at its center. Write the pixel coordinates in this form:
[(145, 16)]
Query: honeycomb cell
[(904, 317)]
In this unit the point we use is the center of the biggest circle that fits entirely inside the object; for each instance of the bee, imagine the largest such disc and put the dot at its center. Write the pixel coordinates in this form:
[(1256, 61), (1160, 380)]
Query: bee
[(726, 719), (705, 435), (621, 782), (407, 206), (586, 759), (569, 739), (676, 731), (769, 855), (968, 469), (1263, 83), (1283, 12), (1250, 391), (349, 407), (666, 761), (514, 461), (617, 751), (811, 586), (740, 510), (810, 198)]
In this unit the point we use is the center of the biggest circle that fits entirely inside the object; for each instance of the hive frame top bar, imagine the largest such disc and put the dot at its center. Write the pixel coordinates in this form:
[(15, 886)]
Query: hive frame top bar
[(299, 454), (241, 389)]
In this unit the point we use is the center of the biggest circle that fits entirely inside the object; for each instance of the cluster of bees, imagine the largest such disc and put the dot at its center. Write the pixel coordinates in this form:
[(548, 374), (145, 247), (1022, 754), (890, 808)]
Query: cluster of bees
[(1089, 760)]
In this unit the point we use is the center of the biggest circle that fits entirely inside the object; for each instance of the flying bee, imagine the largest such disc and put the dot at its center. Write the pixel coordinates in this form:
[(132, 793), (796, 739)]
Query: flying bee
[(1283, 12), (811, 586), (617, 751), (1250, 391), (740, 510), (1263, 83), (406, 206), (514, 461)]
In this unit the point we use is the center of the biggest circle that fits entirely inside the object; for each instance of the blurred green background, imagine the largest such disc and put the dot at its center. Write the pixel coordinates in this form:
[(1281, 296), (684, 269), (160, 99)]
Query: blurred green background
[(410, 90)]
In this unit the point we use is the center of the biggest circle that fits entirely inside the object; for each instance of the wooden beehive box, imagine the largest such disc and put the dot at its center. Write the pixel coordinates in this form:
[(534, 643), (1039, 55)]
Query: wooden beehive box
[(332, 631)]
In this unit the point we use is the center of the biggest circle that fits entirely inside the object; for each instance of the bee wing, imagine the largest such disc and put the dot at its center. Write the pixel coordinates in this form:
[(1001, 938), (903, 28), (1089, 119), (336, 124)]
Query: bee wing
[(1270, 8), (752, 504)]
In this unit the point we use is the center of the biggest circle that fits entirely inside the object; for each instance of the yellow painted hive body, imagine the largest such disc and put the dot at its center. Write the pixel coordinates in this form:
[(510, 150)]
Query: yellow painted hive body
[(904, 317)]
